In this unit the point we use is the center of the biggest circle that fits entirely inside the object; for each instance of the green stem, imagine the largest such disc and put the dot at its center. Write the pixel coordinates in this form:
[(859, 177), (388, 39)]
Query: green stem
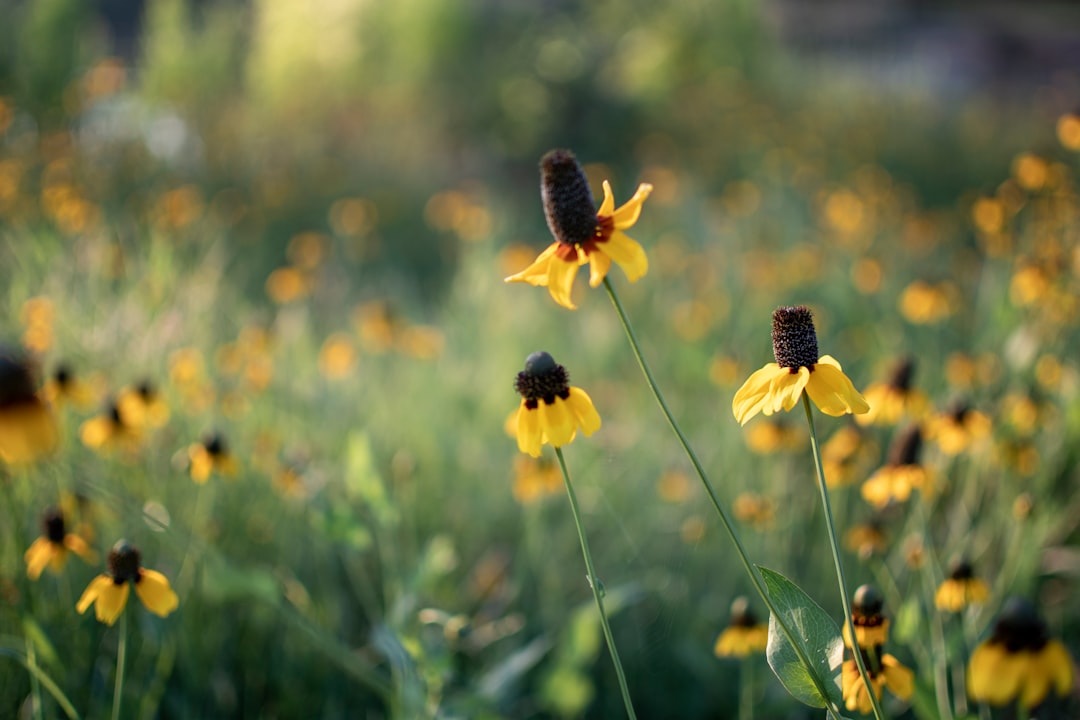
[(46, 681), (746, 696), (35, 684), (751, 570), (834, 545), (121, 657), (594, 583)]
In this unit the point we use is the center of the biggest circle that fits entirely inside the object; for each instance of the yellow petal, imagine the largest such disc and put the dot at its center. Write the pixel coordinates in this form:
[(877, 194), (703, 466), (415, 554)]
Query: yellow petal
[(627, 253), (786, 389), (557, 422), (832, 391), (153, 589), (995, 675), (899, 679), (1059, 665), (528, 430), (608, 204), (599, 264), (37, 556), (751, 398), (583, 410), (108, 598), (77, 545), (537, 273), (201, 463), (561, 281), (628, 214), (27, 431), (95, 432)]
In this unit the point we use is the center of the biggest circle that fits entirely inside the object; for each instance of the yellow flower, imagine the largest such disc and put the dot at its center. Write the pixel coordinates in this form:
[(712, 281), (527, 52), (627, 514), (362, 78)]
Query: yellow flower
[(756, 510), (210, 455), (51, 549), (892, 400), (1019, 661), (582, 235), (883, 670), (961, 589), (769, 437), (958, 428), (109, 592), (535, 479), (65, 386), (798, 367), (843, 455), (895, 481), (110, 430), (899, 679), (27, 427), (143, 406), (551, 411), (744, 635), (867, 539)]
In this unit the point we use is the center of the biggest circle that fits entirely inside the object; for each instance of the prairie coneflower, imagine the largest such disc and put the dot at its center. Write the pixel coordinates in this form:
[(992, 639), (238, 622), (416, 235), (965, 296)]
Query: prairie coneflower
[(958, 428), (535, 478), (551, 411), (901, 474), (893, 399), (66, 387), (51, 549), (961, 589), (1020, 661), (744, 635), (884, 670), (779, 385), (27, 428), (110, 430), (210, 455), (143, 405), (109, 592), (582, 234)]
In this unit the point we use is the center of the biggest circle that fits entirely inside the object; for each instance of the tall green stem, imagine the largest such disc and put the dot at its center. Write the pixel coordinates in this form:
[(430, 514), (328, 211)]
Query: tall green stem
[(834, 545), (121, 658), (594, 583), (751, 571)]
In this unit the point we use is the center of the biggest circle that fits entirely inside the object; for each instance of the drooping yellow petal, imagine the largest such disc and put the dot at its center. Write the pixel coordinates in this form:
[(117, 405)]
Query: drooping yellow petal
[(561, 275), (584, 412), (751, 398), (107, 597), (899, 679), (38, 555), (628, 214), (1058, 664), (557, 422), (627, 253), (77, 545), (995, 675), (201, 463), (27, 431), (599, 264), (95, 432), (607, 206), (155, 592), (832, 391), (528, 430), (537, 273), (786, 389)]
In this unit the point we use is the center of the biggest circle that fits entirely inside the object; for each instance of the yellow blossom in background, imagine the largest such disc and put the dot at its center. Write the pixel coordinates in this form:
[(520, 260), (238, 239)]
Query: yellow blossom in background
[(844, 454), (866, 540), (38, 316), (423, 342), (891, 674), (65, 387), (961, 589), (52, 548), (535, 479), (902, 473), (778, 386), (958, 429), (376, 326), (551, 411), (308, 250), (142, 406), (1068, 131), (924, 304), (772, 436), (1020, 662), (110, 431), (755, 510), (287, 284), (744, 635), (582, 235), (211, 455), (109, 592), (1029, 285), (27, 427), (337, 357), (1030, 171), (674, 486), (894, 399), (884, 670)]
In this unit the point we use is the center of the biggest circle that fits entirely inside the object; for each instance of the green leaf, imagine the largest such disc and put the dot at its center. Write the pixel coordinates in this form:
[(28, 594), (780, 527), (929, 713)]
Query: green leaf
[(816, 634)]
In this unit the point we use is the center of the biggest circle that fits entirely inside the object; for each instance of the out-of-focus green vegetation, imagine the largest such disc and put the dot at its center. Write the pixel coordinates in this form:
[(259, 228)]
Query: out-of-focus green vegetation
[(293, 220)]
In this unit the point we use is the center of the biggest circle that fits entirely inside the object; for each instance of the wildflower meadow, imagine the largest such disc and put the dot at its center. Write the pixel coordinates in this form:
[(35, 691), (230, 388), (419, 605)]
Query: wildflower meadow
[(453, 360)]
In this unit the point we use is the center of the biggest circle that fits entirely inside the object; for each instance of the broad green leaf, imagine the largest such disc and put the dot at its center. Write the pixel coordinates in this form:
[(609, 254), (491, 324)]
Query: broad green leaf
[(816, 634)]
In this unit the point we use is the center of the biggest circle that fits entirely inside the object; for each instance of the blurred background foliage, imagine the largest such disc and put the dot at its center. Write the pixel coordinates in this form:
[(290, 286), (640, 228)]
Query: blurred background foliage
[(294, 218)]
